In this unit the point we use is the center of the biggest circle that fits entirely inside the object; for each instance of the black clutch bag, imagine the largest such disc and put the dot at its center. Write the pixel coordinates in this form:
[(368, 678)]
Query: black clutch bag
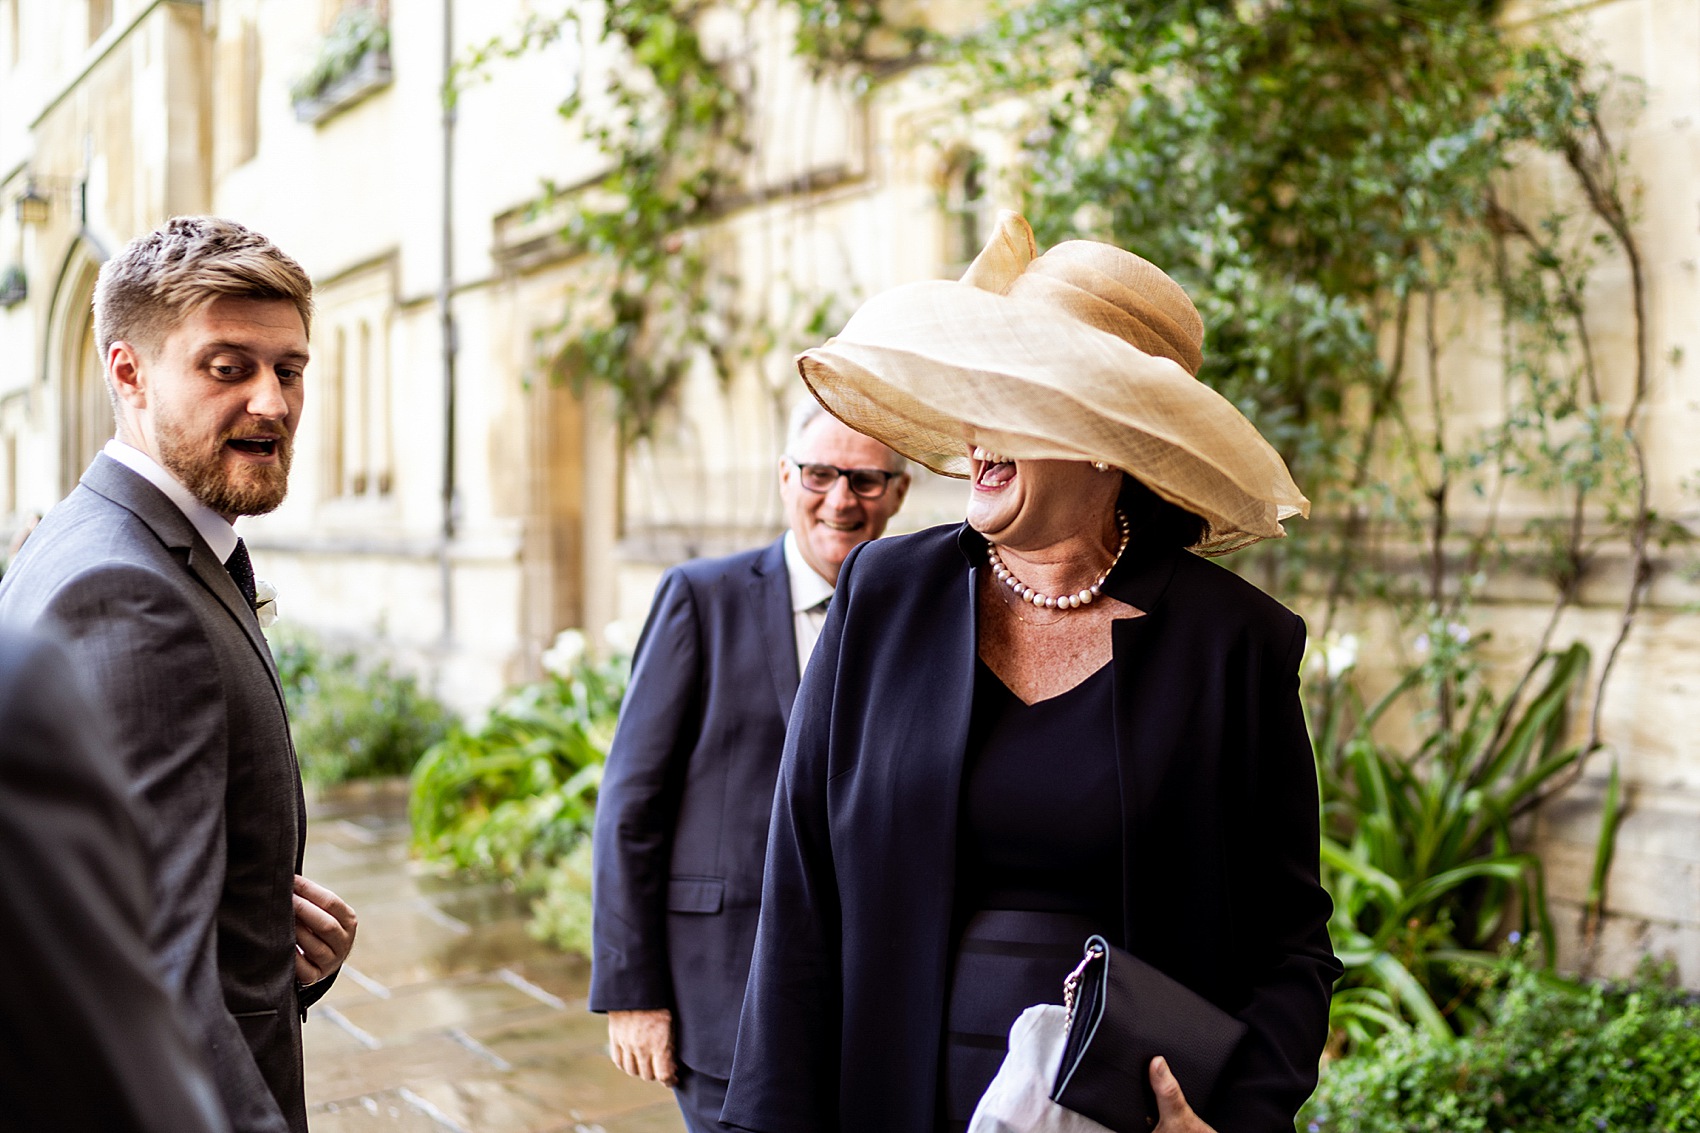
[(1122, 1013)]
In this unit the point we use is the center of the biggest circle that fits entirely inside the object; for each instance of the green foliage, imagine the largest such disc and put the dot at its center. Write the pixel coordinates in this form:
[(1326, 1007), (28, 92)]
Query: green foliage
[(672, 121), (353, 718), (1419, 849), (14, 286), (358, 32), (561, 915), (1316, 173), (1298, 166), (517, 792), (1551, 1056)]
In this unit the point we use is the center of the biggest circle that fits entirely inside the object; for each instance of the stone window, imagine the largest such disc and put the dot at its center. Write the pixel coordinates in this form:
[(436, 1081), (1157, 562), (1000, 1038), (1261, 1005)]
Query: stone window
[(237, 108), (358, 451), (351, 63)]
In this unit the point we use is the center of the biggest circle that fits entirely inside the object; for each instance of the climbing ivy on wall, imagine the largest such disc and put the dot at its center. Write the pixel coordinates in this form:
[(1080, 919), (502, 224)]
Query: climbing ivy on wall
[(671, 117), (1324, 176)]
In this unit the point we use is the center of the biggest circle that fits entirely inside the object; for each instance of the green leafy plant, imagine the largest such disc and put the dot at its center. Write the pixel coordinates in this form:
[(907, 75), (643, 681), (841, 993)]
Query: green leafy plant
[(357, 33), (353, 717), (14, 286), (516, 792), (561, 913), (1550, 1056), (1420, 848)]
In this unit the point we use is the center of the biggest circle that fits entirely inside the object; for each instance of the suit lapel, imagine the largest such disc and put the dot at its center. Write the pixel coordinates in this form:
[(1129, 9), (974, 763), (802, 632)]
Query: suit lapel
[(770, 593), (147, 503)]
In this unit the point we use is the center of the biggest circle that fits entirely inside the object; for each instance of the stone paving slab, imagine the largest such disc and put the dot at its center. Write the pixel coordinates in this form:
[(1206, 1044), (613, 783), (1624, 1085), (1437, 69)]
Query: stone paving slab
[(449, 1018)]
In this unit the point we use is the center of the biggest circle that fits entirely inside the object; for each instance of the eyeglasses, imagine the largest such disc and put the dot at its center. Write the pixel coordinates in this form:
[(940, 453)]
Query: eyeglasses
[(868, 483)]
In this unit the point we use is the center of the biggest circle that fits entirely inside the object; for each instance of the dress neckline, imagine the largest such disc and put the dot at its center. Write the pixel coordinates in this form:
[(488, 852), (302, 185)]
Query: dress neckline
[(1094, 675)]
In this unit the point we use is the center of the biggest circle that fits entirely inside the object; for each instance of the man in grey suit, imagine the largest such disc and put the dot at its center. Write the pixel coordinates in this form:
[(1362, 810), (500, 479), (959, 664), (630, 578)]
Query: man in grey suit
[(92, 1038), (203, 330)]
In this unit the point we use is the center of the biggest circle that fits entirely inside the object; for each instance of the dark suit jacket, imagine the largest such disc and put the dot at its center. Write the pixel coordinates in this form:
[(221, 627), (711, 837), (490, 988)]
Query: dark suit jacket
[(681, 820), (91, 1038), (160, 633), (842, 1022)]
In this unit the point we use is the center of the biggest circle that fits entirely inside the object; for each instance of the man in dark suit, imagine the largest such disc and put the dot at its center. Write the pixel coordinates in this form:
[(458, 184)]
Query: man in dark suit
[(203, 330), (681, 822), (92, 1039)]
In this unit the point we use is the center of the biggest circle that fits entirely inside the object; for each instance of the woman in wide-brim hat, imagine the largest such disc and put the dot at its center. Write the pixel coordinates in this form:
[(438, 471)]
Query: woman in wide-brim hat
[(1052, 721)]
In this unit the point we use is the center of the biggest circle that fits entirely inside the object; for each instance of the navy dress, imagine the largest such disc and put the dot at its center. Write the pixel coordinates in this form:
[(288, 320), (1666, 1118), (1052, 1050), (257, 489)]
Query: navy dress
[(1039, 867)]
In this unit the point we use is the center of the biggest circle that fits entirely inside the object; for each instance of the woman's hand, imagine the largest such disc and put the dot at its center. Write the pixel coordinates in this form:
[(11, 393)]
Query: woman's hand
[(1173, 1114)]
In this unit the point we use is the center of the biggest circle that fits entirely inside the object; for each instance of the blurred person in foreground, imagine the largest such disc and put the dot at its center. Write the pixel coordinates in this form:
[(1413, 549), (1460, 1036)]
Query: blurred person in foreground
[(1052, 721), (92, 1039), (202, 327), (682, 814)]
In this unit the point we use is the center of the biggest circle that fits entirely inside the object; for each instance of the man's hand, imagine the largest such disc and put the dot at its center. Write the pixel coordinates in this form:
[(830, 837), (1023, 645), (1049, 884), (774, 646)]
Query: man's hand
[(324, 931), (1173, 1114), (641, 1044)]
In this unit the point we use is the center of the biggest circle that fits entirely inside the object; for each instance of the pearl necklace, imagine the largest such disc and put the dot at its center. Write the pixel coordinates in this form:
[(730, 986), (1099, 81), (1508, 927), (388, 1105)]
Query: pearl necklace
[(1067, 601)]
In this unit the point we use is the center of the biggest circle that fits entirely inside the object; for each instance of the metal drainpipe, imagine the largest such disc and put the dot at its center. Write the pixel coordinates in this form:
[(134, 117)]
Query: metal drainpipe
[(445, 316)]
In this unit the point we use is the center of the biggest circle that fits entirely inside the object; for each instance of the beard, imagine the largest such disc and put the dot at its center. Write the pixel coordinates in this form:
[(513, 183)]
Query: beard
[(247, 489)]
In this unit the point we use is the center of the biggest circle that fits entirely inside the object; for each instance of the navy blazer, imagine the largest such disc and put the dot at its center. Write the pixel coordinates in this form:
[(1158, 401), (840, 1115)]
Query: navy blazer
[(681, 819), (843, 1019)]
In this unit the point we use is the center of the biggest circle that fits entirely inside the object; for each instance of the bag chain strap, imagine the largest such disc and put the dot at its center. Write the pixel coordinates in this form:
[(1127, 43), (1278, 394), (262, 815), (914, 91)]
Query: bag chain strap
[(1071, 986)]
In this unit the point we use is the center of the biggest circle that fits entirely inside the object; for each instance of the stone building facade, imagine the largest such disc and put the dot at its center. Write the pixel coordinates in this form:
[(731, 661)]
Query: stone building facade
[(454, 506)]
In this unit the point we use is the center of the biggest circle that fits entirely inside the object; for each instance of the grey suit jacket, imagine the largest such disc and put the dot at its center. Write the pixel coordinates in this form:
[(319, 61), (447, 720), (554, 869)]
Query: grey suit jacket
[(162, 636), (92, 1039)]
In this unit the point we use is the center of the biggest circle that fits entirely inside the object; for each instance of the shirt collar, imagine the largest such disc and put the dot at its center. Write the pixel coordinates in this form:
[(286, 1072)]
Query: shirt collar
[(808, 589), (213, 527)]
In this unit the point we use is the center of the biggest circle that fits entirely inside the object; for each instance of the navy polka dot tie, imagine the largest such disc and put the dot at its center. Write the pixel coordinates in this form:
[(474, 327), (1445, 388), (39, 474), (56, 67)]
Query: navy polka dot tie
[(241, 568)]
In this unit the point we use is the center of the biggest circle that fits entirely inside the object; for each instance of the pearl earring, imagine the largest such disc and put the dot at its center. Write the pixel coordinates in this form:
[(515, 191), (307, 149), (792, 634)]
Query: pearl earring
[(1101, 465)]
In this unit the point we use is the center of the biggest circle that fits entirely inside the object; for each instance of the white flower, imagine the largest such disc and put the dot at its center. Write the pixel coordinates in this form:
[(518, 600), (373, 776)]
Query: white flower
[(563, 656), (1337, 653), (620, 636), (265, 602)]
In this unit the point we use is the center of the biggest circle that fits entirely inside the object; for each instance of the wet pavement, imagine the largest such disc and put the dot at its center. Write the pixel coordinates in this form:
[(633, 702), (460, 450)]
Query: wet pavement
[(449, 1017)]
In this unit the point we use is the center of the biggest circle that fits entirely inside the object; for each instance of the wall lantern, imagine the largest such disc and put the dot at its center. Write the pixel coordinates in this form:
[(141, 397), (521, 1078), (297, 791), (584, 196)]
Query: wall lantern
[(32, 206)]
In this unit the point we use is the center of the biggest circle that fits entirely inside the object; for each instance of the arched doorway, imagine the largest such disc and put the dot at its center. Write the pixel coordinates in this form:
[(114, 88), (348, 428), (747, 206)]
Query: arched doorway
[(75, 372)]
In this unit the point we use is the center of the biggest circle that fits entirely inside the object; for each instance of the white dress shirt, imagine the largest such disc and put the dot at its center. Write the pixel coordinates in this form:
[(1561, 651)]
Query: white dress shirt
[(214, 528), (809, 596)]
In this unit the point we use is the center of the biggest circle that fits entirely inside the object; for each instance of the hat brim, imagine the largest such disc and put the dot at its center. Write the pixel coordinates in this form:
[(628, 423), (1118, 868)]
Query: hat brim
[(933, 369)]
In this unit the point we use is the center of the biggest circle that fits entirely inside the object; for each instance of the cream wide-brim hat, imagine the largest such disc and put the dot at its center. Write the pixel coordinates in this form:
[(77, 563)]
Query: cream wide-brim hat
[(1085, 353)]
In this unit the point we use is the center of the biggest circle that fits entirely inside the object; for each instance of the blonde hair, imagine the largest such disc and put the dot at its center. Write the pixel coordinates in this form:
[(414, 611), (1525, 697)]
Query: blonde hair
[(157, 280)]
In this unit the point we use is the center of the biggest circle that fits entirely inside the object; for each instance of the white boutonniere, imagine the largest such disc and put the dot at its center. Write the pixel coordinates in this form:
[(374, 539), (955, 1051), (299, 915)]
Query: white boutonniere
[(265, 602)]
